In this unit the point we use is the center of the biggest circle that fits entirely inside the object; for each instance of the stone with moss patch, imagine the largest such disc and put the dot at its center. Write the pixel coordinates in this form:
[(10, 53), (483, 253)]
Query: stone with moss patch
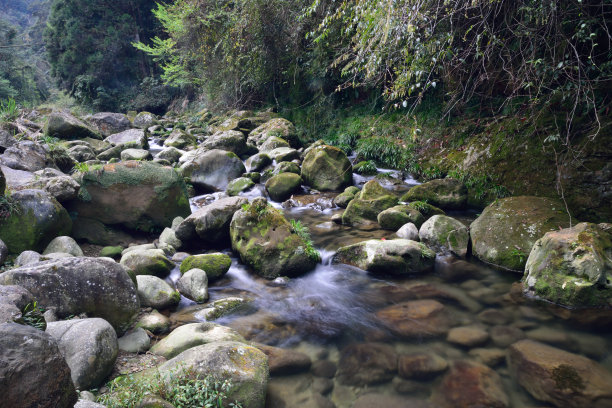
[(274, 128), (445, 233), (237, 186), (147, 262), (215, 265), (446, 193), (326, 168), (258, 162), (365, 207), (393, 218), (180, 139), (213, 170), (156, 293), (111, 251), (281, 186)]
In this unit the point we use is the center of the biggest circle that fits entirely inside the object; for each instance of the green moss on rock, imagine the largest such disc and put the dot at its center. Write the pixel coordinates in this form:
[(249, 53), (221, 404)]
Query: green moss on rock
[(215, 265)]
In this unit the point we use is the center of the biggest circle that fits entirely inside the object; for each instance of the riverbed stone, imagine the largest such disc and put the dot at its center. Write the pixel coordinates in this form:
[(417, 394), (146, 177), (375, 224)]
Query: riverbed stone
[(89, 347), (180, 139), (258, 162), (194, 285), (147, 262), (212, 170), (135, 341), (571, 267), (64, 125), (108, 123), (26, 156), (237, 186), (421, 366), (394, 257), (135, 154), (467, 336), (504, 234), (144, 120), (448, 194), (135, 138), (210, 224), (503, 336), (155, 292), (154, 322), (343, 199), (33, 372), (408, 231), (267, 242), (416, 319), (285, 361), (168, 237), (82, 153), (272, 143), (13, 299), (394, 217), (326, 168), (215, 265), (230, 140), (171, 154), (469, 384), (277, 127), (387, 400), (558, 377), (364, 364), (64, 244), (371, 201), (97, 286), (282, 186), (445, 233), (245, 366)]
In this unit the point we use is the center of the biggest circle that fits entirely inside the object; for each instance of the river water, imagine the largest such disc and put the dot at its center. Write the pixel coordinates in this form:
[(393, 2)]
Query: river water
[(334, 308)]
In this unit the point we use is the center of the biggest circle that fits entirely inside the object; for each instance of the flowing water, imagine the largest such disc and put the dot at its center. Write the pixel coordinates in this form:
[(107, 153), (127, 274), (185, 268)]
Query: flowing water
[(335, 306)]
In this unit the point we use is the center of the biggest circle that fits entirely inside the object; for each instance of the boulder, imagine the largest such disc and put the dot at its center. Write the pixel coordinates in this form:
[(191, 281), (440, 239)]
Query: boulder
[(281, 154), (287, 167), (394, 257), (33, 372), (13, 299), (211, 222), (154, 322), (277, 127), (213, 169), (135, 341), (572, 267), (365, 207), (156, 293), (63, 125), (144, 120), (343, 199), (282, 186), (559, 377), (285, 361), (147, 262), (416, 319), (408, 231), (507, 229), (448, 194), (135, 154), (180, 139), (237, 186), (54, 182), (363, 364), (267, 242), (394, 217), (94, 232), (326, 168), (258, 162), (272, 143), (135, 195), (26, 156), (245, 366), (421, 366), (469, 384), (65, 245), (171, 154), (215, 265), (230, 140), (168, 237), (445, 233), (96, 286), (36, 219), (108, 123), (192, 335), (89, 347), (134, 138), (81, 153), (194, 285)]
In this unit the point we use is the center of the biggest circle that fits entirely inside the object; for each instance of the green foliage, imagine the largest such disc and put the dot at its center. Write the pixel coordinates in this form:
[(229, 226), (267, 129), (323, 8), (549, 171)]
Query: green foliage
[(180, 387), (302, 231), (8, 206), (365, 168), (32, 315), (481, 185), (81, 168), (8, 110), (384, 151)]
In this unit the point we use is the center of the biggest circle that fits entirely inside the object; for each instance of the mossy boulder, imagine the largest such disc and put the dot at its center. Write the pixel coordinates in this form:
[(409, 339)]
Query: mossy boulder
[(180, 139), (147, 262), (326, 168), (365, 207), (63, 125), (111, 251), (572, 267), (65, 245), (287, 167), (230, 140), (108, 123), (36, 219), (390, 257), (272, 143), (137, 195), (135, 138), (446, 193), (393, 218), (343, 199), (445, 233), (144, 120), (135, 154), (283, 154), (237, 186), (213, 170), (281, 186), (507, 229), (156, 293), (258, 162), (278, 127), (267, 242), (215, 265), (426, 209)]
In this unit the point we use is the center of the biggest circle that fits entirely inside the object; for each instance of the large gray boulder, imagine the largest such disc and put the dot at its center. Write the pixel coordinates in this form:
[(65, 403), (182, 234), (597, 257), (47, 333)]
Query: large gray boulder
[(33, 372), (147, 261), (56, 183), (274, 128), (194, 285), (326, 168), (245, 366), (572, 267), (448, 194), (97, 286), (35, 221), (65, 245), (390, 257), (445, 233), (180, 139), (89, 347), (135, 138), (63, 125), (144, 120), (213, 170), (109, 123), (26, 156), (13, 299), (210, 224), (156, 293), (230, 140)]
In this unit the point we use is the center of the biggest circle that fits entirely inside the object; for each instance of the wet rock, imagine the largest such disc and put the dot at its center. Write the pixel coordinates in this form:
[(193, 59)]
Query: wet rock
[(215, 265), (136, 195), (327, 168), (89, 347), (394, 217), (572, 267), (365, 207), (324, 368), (258, 162), (281, 154), (134, 138), (507, 229), (245, 366), (144, 120), (230, 140), (194, 285), (237, 186), (96, 286), (154, 292), (322, 386), (63, 125), (285, 361), (147, 262), (387, 400), (416, 319), (180, 139), (82, 153), (267, 242), (421, 366), (494, 316), (108, 123), (489, 356), (135, 341), (343, 199), (445, 233), (503, 336), (168, 237), (282, 186), (64, 245), (219, 308), (467, 336), (469, 384), (33, 372), (210, 223), (277, 127), (171, 154), (408, 231), (135, 154), (396, 256), (558, 377), (154, 322), (367, 364), (213, 170), (448, 194), (37, 220)]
